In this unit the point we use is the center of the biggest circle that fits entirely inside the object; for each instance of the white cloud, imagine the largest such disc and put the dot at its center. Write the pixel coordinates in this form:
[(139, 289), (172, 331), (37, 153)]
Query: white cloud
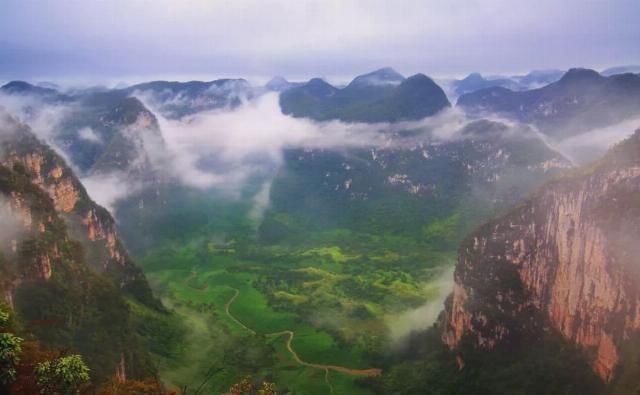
[(13, 224), (89, 135), (260, 202), (249, 138), (42, 118), (107, 189), (421, 318), (590, 146)]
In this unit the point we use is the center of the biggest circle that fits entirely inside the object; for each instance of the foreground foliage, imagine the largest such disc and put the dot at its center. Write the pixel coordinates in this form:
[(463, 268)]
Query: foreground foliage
[(63, 375)]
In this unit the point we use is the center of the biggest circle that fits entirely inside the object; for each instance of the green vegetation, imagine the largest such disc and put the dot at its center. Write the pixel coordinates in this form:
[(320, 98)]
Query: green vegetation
[(348, 249), (544, 366), (10, 349), (233, 295), (57, 297), (443, 231), (414, 98), (63, 375)]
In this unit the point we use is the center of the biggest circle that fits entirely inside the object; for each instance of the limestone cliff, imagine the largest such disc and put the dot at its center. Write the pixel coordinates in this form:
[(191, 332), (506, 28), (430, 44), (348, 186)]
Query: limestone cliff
[(25, 224), (567, 260), (88, 222), (66, 291)]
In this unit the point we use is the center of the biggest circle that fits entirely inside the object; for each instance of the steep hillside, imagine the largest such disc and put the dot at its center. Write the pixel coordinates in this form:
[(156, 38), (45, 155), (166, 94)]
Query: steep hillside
[(88, 223), (58, 297), (565, 261)]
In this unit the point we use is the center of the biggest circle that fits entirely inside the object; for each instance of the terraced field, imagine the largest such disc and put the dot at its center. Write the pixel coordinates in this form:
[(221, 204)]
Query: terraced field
[(314, 319)]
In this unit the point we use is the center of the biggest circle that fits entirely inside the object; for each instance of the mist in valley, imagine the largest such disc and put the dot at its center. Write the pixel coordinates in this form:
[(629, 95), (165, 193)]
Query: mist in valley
[(273, 209)]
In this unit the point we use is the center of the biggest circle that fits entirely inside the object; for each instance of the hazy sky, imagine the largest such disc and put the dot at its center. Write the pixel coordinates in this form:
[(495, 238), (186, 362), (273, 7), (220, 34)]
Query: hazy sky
[(132, 40)]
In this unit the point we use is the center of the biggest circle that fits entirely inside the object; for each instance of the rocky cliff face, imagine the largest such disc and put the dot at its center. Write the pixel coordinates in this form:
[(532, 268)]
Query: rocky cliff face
[(88, 222), (21, 216), (62, 267), (565, 260)]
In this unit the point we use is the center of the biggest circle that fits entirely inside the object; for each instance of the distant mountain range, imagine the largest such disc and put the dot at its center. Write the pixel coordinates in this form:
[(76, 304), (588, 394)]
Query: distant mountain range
[(104, 130), (280, 84), (535, 79), (23, 88), (581, 100), (635, 69), (177, 99), (99, 130), (381, 96)]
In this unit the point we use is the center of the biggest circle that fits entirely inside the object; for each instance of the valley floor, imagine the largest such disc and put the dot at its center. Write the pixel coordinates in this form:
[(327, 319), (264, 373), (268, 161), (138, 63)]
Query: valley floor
[(312, 321)]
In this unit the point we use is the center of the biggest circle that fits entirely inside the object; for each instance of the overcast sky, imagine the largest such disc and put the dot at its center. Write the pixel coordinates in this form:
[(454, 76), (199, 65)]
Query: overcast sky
[(136, 40)]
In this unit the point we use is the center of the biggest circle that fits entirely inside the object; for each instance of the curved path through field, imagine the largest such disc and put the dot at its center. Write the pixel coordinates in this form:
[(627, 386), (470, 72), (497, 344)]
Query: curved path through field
[(296, 357), (342, 369), (234, 319)]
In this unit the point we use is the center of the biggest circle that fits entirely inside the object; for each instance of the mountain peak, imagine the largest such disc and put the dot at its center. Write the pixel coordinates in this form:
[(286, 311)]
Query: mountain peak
[(389, 73), (278, 79), (318, 82), (277, 83), (474, 77), (635, 69), (319, 87), (383, 76), (25, 88), (418, 78), (580, 75), (17, 85)]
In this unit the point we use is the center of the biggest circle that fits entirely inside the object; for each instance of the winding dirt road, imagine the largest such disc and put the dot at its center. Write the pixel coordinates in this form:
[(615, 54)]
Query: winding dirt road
[(296, 357), (226, 310), (342, 369)]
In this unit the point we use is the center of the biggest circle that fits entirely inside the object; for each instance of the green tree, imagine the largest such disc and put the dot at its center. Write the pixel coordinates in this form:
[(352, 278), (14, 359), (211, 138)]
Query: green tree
[(10, 348), (64, 375)]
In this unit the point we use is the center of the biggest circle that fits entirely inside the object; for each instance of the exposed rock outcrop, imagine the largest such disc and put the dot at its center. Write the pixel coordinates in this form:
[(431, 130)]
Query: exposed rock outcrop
[(88, 222), (567, 259), (62, 267)]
